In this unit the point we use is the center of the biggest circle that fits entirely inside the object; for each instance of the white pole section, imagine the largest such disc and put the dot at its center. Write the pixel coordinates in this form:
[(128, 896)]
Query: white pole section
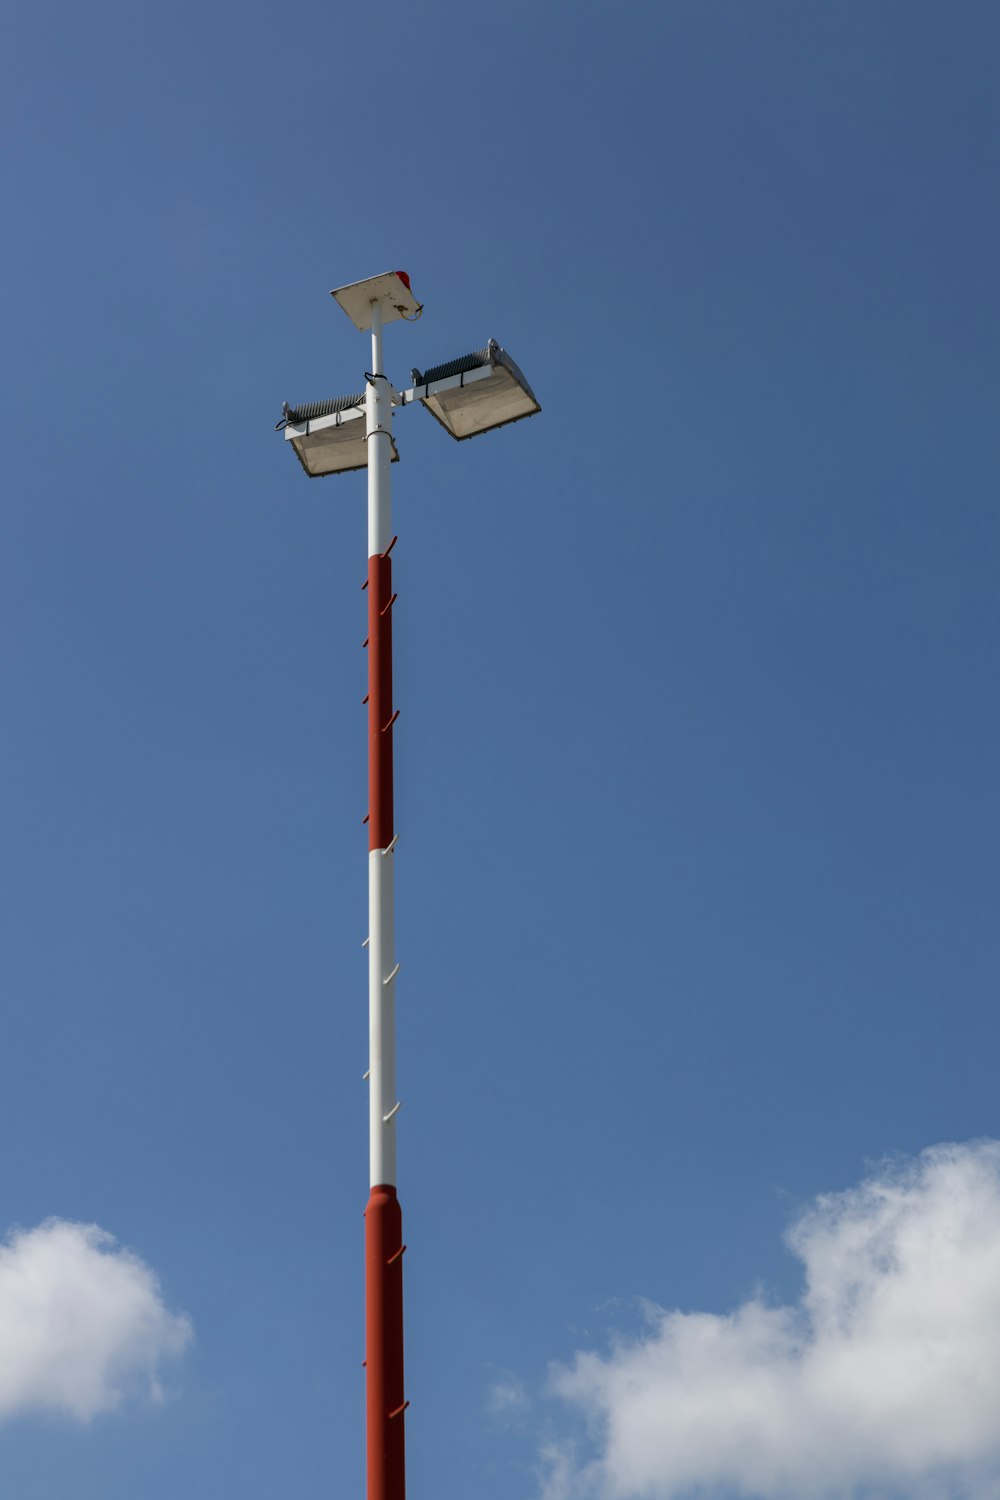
[(381, 1020), (378, 409)]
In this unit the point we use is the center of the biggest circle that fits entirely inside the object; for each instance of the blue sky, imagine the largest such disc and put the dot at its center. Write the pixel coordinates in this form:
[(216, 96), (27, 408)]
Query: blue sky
[(696, 762)]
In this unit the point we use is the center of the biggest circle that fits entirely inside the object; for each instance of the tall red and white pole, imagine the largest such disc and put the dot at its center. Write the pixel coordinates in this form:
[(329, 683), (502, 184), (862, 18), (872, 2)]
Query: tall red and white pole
[(383, 1220), (473, 394)]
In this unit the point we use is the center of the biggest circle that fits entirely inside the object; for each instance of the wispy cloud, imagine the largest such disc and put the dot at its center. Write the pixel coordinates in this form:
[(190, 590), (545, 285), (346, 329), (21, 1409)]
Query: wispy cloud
[(884, 1378), (506, 1395), (82, 1322)]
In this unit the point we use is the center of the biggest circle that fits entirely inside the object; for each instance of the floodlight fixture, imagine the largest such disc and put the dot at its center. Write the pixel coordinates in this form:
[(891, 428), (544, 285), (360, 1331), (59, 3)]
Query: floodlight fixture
[(328, 437), (467, 396), (476, 393)]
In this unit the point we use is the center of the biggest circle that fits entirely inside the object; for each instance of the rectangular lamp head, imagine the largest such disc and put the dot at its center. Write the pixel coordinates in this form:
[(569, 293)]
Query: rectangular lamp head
[(391, 291), (329, 437), (476, 393)]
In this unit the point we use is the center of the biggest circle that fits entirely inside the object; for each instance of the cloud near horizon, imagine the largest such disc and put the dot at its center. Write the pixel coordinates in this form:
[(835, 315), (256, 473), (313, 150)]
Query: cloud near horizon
[(882, 1379), (82, 1323)]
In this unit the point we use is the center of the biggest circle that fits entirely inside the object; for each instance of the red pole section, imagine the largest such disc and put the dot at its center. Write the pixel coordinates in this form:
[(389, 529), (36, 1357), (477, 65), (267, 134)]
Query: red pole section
[(384, 1333), (379, 701), (385, 1400)]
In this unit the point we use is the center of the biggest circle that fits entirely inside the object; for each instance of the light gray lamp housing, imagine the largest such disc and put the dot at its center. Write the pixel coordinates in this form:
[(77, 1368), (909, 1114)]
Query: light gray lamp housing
[(329, 437), (491, 391)]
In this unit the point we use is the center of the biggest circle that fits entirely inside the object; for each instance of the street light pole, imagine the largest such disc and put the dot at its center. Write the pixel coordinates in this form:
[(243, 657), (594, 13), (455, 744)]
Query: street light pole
[(468, 396), (383, 1218)]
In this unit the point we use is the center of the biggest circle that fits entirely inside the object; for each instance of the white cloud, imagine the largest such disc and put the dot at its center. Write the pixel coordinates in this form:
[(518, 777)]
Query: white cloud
[(82, 1322), (883, 1379), (506, 1396)]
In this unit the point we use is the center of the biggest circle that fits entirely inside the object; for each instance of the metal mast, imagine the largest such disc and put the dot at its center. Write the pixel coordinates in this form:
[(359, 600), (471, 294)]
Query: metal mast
[(384, 1247), (469, 395)]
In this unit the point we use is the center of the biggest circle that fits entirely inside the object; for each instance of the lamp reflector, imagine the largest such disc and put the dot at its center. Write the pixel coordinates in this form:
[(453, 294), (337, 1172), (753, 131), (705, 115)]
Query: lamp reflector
[(329, 437), (476, 393)]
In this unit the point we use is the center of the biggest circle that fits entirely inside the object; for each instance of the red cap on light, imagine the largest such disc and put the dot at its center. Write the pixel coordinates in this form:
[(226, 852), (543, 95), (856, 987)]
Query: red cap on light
[(404, 279)]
